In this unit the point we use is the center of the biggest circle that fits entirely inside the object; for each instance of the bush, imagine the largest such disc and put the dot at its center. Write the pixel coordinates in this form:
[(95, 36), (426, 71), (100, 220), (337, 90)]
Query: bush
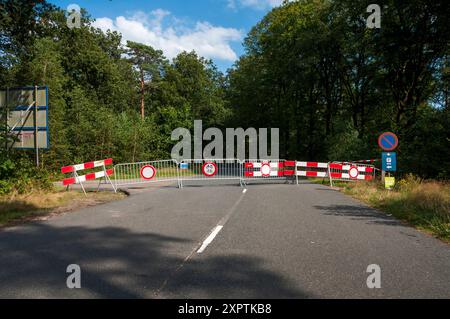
[(21, 176)]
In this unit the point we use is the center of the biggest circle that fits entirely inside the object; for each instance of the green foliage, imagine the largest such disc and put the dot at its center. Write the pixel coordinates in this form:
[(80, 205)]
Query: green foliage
[(106, 99), (20, 176), (332, 85)]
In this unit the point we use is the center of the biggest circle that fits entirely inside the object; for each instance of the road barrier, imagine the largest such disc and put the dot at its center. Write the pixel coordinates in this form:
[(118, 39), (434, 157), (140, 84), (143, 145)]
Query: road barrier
[(77, 179), (205, 170), (209, 170), (146, 172), (311, 169), (255, 170), (348, 171)]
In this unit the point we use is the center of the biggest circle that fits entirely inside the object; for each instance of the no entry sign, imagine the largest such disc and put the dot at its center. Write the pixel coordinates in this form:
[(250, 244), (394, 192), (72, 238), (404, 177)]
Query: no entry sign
[(209, 169), (388, 141), (148, 172), (353, 172)]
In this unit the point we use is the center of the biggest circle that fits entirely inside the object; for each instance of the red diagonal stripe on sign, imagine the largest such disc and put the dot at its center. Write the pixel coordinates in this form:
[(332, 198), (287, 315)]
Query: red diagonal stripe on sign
[(384, 138)]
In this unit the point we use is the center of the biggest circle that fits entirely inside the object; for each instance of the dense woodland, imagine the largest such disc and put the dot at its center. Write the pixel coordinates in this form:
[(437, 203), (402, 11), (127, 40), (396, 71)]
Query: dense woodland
[(311, 68)]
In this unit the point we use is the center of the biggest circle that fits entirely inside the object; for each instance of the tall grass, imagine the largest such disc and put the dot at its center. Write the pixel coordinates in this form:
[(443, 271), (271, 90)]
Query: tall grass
[(424, 204)]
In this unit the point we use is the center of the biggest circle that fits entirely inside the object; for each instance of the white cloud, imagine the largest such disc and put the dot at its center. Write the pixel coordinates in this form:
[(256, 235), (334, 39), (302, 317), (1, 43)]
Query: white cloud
[(255, 4), (207, 40)]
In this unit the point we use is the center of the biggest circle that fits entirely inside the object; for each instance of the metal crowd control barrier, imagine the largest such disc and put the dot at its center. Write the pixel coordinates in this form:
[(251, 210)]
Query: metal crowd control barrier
[(209, 170), (233, 169), (146, 172)]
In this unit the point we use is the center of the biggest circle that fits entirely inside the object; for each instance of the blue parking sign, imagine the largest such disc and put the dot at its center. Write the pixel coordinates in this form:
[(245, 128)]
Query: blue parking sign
[(389, 161)]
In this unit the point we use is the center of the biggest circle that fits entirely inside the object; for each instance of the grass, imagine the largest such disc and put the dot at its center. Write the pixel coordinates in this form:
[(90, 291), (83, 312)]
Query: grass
[(16, 208), (423, 204)]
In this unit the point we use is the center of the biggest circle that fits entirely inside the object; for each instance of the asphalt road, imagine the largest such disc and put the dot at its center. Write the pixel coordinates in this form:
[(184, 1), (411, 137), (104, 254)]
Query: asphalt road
[(273, 241)]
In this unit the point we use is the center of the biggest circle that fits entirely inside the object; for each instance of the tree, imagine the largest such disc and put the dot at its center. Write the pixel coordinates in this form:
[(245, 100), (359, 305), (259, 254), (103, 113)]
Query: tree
[(149, 64)]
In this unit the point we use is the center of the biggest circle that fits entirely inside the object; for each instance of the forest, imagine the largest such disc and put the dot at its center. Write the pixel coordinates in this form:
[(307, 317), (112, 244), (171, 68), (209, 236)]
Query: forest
[(311, 68)]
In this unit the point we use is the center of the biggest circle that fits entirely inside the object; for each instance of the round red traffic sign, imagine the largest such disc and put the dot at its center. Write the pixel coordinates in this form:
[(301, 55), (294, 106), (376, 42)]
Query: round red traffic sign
[(148, 172), (388, 141), (209, 169), (353, 172), (265, 169)]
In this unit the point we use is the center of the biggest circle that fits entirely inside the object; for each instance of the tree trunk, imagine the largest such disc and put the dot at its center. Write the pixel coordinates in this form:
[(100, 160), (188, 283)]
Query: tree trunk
[(142, 95)]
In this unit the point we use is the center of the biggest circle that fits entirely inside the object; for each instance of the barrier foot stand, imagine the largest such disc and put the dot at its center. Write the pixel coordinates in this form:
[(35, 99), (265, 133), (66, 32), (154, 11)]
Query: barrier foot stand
[(82, 187), (109, 180), (99, 183)]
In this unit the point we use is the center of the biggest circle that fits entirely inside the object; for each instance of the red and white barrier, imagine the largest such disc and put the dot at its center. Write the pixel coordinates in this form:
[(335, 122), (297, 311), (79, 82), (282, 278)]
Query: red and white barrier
[(263, 169), (311, 169), (77, 179), (79, 167), (350, 172)]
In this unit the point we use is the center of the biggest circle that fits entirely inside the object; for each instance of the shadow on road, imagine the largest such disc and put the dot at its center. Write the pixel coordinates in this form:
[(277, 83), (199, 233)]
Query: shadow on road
[(357, 212), (117, 263)]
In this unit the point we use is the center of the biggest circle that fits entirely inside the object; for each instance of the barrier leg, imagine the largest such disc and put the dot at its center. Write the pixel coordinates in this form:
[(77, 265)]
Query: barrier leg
[(109, 180), (329, 174)]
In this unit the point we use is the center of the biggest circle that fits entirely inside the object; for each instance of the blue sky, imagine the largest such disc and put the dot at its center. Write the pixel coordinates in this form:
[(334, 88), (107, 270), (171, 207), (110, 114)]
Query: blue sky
[(213, 28)]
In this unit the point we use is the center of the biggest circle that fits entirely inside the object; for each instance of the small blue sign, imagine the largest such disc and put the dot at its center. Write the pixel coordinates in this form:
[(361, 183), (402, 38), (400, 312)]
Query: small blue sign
[(184, 165), (389, 161)]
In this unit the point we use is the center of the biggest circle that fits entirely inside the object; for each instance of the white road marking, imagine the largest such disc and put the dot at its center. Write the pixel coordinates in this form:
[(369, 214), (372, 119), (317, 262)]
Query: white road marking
[(219, 226), (205, 243), (209, 239)]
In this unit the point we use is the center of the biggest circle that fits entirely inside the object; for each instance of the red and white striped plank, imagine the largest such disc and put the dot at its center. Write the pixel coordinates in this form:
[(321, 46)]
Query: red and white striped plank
[(87, 177), (260, 164), (347, 167), (312, 164), (347, 176), (79, 167), (311, 174), (289, 163), (260, 174)]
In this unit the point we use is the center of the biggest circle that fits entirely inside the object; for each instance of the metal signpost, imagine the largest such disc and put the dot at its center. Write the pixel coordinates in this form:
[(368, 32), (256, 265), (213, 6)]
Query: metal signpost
[(388, 142)]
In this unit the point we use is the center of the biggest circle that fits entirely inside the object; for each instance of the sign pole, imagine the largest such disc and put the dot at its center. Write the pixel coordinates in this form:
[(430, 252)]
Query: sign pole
[(6, 118), (36, 131)]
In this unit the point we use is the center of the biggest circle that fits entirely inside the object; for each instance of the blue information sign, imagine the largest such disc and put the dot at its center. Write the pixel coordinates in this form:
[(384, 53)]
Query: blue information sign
[(184, 165), (389, 161)]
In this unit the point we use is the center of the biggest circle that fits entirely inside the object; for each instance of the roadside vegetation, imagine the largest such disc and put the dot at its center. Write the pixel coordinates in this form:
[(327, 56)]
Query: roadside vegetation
[(17, 208), (424, 204)]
